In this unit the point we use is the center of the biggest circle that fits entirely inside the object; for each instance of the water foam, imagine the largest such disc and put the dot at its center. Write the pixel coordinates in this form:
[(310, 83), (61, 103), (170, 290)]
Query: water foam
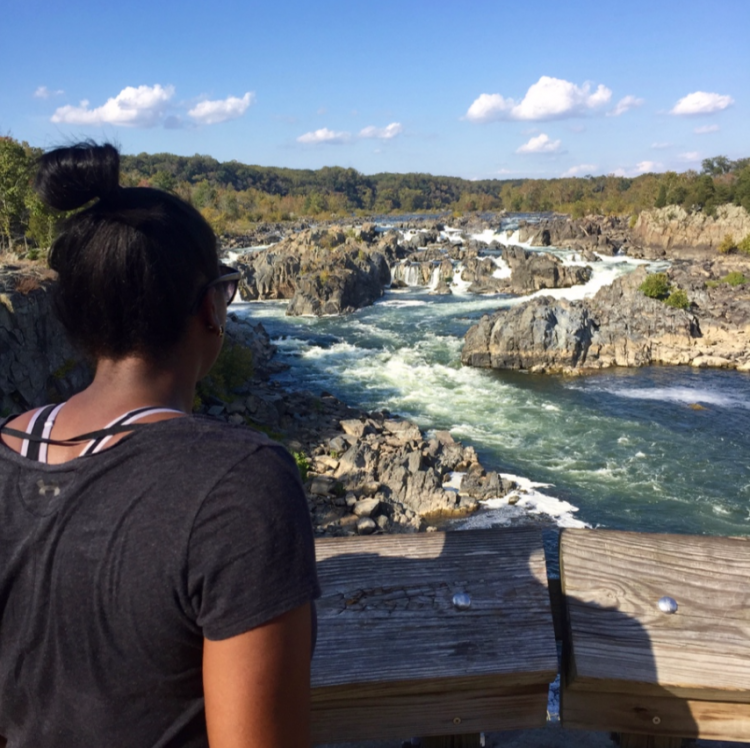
[(681, 395), (521, 504)]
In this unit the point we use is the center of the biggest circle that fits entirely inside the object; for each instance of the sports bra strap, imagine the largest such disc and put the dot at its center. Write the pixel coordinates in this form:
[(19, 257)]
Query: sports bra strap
[(30, 446), (96, 445), (87, 437)]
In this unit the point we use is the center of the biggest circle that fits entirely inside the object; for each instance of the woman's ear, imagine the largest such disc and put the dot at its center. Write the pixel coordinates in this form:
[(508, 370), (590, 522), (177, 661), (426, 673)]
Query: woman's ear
[(210, 312)]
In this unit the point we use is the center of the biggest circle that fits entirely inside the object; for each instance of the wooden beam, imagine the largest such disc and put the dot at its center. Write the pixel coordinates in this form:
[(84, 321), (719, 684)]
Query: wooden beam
[(626, 661), (665, 716), (396, 658)]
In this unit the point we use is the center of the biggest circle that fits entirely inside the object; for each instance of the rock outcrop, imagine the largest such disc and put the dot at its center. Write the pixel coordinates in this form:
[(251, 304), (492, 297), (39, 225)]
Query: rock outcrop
[(672, 229), (321, 271), (620, 326), (37, 363), (527, 272), (606, 235)]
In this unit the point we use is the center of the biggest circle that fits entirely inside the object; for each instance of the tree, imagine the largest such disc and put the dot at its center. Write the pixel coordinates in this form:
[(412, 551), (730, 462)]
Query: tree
[(15, 184), (661, 198), (716, 166)]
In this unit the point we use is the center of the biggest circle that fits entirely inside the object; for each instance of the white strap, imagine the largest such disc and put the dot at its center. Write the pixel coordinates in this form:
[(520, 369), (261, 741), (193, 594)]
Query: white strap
[(48, 424), (25, 443), (126, 421)]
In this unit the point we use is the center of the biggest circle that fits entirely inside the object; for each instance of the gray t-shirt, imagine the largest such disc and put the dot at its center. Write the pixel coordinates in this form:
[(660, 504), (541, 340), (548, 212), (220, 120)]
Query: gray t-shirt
[(115, 566)]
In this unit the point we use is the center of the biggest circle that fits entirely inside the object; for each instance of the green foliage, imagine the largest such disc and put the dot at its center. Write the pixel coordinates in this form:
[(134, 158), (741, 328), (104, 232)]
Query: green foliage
[(633, 220), (232, 369), (744, 245), (661, 197), (678, 299), (727, 245), (15, 179), (735, 278), (233, 196), (303, 464), (656, 286)]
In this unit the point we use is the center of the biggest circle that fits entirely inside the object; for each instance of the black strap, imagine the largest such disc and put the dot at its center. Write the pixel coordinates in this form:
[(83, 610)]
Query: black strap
[(124, 417), (33, 451), (77, 439)]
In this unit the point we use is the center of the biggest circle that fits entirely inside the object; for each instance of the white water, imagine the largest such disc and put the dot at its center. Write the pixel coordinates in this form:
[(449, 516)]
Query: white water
[(621, 448)]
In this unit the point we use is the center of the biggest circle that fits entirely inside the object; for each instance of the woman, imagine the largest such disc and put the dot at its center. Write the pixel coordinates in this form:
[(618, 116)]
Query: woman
[(156, 576)]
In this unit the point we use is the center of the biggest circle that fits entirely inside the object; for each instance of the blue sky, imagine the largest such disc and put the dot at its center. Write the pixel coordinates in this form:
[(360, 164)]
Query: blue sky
[(472, 89)]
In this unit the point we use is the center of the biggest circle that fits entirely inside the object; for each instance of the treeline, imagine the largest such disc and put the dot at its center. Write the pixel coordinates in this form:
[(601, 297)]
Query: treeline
[(234, 196)]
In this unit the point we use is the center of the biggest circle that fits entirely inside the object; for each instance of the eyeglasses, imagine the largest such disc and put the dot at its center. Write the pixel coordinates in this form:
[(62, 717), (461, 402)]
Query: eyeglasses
[(229, 279)]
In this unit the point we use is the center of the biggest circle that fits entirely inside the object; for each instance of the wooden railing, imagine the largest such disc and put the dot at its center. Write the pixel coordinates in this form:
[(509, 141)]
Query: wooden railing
[(450, 634)]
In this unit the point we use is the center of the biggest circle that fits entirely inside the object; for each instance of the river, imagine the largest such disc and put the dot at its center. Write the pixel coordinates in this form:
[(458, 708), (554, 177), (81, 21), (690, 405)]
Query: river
[(662, 449)]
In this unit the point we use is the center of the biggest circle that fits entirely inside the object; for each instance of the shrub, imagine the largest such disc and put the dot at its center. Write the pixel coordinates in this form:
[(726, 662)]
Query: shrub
[(744, 245), (303, 464), (735, 278), (678, 299), (727, 245), (656, 286), (633, 220)]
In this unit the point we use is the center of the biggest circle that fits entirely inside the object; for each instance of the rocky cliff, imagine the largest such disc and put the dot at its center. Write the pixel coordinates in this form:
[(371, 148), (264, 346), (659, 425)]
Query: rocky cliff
[(620, 326), (672, 228), (321, 271), (37, 363)]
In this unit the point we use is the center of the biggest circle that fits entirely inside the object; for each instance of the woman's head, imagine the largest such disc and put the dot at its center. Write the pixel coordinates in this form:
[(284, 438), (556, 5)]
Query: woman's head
[(131, 264)]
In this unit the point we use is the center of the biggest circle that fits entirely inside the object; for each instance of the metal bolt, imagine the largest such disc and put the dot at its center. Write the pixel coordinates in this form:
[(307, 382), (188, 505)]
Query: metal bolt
[(667, 604), (461, 601), (656, 720), (457, 720)]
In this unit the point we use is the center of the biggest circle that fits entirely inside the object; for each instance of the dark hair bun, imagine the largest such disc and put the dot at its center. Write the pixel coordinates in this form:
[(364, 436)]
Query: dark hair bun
[(68, 178)]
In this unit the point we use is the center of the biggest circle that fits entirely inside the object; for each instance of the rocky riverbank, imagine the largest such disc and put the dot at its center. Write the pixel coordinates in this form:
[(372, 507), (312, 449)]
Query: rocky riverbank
[(671, 231), (621, 326)]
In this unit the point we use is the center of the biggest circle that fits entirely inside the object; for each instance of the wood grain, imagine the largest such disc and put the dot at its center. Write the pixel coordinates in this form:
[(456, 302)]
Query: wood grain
[(627, 713), (435, 714), (386, 613), (626, 662), (395, 658), (612, 582)]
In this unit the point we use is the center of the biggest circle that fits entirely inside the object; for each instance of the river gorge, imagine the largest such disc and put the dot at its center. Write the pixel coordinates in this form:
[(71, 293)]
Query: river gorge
[(659, 448)]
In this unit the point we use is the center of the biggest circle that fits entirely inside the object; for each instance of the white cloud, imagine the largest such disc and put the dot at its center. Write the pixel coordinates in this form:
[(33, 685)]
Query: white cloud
[(222, 110), (626, 104), (706, 129), (144, 106), (644, 167), (690, 156), (701, 102), (548, 98), (384, 133), (660, 146), (574, 171), (489, 107), (324, 135), (540, 144), (44, 93)]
